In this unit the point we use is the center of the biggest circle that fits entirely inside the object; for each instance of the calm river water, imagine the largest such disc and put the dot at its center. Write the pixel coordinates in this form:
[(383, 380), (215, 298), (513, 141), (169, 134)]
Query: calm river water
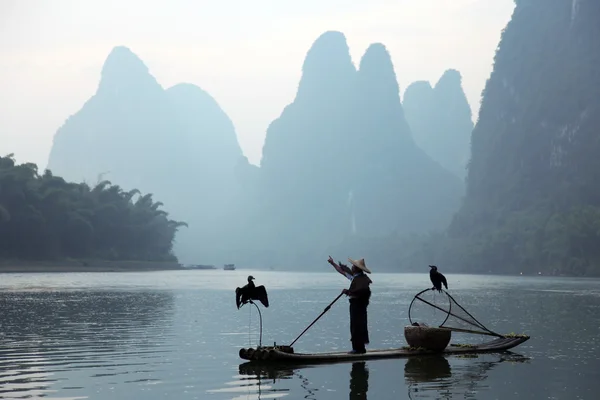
[(158, 335)]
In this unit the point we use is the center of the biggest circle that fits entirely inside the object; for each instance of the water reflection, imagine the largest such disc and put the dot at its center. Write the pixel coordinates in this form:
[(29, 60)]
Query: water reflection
[(433, 377), (255, 378), (48, 336), (427, 377), (359, 381), (261, 373), (265, 371), (426, 369)]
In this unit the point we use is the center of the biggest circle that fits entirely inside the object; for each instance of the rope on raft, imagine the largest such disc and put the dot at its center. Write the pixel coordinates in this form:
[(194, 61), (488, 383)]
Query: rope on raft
[(453, 310)]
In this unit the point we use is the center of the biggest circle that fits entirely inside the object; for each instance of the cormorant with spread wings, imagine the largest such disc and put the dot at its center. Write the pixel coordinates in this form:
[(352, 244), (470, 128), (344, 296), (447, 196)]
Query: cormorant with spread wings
[(251, 292)]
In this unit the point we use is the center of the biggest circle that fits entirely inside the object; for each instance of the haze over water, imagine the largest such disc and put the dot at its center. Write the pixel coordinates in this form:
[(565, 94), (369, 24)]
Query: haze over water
[(177, 335)]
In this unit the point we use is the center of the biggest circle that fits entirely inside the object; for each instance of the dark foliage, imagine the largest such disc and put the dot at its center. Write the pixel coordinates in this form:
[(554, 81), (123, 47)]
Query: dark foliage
[(44, 217)]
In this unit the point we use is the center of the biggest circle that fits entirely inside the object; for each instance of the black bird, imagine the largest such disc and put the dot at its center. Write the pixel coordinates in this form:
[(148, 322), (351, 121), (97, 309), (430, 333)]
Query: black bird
[(437, 279), (250, 292)]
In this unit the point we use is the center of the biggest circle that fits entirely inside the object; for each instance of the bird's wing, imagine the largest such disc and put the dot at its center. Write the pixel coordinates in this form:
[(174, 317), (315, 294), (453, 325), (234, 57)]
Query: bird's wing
[(238, 295), (260, 294), (444, 281)]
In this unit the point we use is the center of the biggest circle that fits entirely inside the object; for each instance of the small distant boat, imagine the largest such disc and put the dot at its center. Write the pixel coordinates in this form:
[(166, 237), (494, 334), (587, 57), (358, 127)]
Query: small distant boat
[(199, 266), (229, 267)]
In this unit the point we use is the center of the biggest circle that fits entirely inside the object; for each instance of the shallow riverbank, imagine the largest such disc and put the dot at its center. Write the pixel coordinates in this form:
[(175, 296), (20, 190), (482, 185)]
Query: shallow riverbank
[(22, 266)]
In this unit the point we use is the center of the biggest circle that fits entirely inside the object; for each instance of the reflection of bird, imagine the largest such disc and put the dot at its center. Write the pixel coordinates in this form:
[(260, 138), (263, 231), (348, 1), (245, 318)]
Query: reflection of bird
[(437, 279), (250, 292)]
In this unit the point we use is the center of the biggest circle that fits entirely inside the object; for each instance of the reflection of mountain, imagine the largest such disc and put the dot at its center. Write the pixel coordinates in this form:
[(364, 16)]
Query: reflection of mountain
[(46, 333), (424, 375)]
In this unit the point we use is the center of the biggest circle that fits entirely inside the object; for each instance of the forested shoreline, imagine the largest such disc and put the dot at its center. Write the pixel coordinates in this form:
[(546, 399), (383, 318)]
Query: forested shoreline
[(45, 218)]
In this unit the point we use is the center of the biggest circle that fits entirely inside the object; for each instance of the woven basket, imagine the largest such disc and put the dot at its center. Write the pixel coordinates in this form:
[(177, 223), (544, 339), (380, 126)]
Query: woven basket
[(435, 339)]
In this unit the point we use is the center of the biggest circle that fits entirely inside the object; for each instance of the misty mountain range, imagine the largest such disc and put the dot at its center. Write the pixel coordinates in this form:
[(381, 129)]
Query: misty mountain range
[(341, 159), (350, 168)]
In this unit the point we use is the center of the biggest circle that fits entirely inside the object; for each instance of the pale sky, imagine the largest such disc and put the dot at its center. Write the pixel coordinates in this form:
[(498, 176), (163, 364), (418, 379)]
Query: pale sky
[(247, 54)]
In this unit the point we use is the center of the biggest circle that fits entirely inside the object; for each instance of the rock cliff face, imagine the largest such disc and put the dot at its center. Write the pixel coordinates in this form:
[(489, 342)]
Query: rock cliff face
[(441, 120), (532, 202), (176, 143)]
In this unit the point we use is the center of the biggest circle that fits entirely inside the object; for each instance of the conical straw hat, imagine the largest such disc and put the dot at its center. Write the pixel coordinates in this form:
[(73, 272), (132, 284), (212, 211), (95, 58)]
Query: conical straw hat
[(360, 264)]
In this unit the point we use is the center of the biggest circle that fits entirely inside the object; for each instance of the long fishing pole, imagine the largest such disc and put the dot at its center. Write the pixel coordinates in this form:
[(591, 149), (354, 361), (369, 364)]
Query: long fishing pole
[(324, 311)]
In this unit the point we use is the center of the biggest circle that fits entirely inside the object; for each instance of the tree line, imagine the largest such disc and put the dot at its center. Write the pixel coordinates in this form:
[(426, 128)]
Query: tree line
[(43, 217)]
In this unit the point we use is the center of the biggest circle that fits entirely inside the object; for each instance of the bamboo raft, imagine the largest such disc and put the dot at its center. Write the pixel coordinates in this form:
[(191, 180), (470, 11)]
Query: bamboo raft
[(274, 354)]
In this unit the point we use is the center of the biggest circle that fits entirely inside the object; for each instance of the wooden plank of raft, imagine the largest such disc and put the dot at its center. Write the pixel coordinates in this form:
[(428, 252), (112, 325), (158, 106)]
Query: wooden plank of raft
[(500, 344)]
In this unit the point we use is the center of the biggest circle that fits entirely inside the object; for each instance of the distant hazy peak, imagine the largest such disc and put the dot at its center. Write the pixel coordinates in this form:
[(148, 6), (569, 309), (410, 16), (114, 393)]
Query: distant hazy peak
[(329, 51), (122, 57), (451, 75), (450, 78), (188, 88), (419, 90), (419, 85), (451, 96), (123, 68), (377, 71), (376, 57), (205, 118), (192, 93), (327, 67)]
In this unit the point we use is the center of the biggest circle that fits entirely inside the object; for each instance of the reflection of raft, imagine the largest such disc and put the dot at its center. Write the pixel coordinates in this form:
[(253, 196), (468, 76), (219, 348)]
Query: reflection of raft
[(269, 371), (286, 354)]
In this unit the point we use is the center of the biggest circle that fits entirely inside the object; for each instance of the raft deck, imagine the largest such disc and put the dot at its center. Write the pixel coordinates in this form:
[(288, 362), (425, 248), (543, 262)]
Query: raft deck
[(274, 355)]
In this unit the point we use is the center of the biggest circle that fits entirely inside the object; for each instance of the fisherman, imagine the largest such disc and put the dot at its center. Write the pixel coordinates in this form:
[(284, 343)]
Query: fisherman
[(359, 294)]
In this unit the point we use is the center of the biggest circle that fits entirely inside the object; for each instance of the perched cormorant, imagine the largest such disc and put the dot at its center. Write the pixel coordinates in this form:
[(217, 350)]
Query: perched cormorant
[(437, 279), (250, 292)]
